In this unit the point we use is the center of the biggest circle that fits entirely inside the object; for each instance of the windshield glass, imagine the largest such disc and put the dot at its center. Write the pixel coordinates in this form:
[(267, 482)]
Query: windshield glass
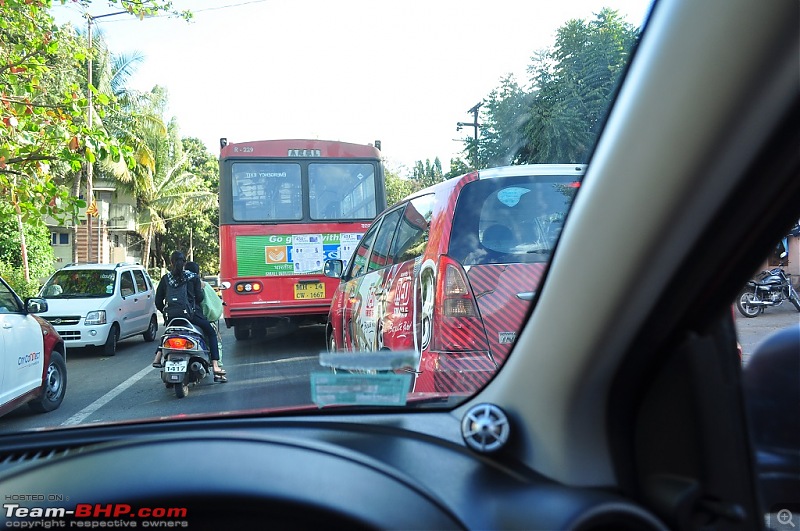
[(263, 192), (329, 202), (83, 283), (341, 191)]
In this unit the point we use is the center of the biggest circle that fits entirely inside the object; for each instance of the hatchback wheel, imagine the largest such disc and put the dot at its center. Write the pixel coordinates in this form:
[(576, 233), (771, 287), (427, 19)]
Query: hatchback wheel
[(55, 385), (152, 330), (110, 348)]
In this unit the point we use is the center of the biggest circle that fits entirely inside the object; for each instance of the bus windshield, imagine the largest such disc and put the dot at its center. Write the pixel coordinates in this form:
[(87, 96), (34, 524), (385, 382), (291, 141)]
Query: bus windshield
[(269, 191), (341, 191), (266, 192)]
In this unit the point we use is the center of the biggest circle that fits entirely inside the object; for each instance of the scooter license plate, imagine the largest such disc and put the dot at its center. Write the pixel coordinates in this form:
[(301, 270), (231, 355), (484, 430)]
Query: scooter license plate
[(176, 366)]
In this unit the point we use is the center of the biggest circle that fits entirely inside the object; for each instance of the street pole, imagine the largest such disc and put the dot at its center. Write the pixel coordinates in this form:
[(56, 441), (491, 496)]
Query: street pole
[(89, 165), (474, 124), (89, 191)]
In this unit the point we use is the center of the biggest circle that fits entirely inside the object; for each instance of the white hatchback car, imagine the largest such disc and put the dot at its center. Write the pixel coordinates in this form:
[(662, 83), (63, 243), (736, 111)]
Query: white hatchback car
[(96, 305)]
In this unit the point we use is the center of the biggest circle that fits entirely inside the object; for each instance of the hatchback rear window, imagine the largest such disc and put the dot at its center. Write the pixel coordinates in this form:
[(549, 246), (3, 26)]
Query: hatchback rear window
[(510, 219)]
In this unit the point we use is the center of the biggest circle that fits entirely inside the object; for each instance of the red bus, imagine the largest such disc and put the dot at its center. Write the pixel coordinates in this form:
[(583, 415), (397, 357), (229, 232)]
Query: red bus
[(285, 207)]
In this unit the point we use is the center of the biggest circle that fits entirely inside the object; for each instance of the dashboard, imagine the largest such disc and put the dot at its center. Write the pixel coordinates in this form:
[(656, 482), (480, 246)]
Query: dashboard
[(365, 472)]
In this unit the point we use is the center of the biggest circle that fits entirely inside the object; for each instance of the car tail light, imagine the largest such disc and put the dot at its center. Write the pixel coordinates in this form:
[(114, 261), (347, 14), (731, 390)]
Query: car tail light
[(457, 297), (179, 343), (457, 325)]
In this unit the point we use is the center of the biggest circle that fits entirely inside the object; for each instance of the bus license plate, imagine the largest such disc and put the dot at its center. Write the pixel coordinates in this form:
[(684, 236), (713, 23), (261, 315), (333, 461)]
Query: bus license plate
[(312, 290), (175, 366)]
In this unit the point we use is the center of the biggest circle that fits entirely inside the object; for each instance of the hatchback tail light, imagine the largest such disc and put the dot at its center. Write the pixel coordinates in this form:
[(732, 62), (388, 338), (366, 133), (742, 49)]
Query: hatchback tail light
[(457, 324)]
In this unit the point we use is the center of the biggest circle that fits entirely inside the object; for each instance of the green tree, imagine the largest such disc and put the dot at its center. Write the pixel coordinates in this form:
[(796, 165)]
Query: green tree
[(40, 265), (167, 190), (572, 84), (196, 232), (573, 88), (505, 112), (398, 187), (427, 174), (457, 167), (43, 126)]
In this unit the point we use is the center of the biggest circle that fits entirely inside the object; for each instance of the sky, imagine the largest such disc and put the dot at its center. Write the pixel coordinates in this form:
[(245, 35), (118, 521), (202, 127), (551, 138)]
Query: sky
[(402, 72)]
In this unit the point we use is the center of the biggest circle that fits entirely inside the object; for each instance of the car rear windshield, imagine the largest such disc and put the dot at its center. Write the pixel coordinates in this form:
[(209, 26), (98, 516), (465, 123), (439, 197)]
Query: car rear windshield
[(510, 219)]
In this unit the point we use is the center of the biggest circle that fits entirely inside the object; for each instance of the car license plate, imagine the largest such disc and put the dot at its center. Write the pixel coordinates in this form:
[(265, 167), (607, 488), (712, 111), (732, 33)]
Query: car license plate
[(310, 290), (175, 366)]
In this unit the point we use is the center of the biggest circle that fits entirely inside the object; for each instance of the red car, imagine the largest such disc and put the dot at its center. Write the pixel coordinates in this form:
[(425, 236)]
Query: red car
[(33, 367), (450, 272)]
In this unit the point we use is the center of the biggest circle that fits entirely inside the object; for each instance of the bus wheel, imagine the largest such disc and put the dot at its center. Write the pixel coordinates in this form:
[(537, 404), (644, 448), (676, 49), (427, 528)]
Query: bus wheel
[(240, 332)]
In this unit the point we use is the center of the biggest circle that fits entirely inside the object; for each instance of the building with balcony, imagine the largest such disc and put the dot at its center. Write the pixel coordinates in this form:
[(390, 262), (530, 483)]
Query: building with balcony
[(112, 236)]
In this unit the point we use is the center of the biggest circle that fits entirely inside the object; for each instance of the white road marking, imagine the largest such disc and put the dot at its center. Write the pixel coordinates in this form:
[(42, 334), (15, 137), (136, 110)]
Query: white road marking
[(80, 416)]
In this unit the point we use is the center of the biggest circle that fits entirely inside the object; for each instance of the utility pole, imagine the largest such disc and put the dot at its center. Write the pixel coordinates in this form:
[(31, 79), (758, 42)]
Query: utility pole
[(89, 165), (474, 112)]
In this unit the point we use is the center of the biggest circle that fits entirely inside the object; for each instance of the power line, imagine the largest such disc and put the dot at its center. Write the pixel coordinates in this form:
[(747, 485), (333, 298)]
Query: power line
[(231, 5), (217, 8)]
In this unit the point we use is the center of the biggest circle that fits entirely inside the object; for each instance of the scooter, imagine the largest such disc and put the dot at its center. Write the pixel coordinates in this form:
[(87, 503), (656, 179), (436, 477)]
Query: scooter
[(185, 355)]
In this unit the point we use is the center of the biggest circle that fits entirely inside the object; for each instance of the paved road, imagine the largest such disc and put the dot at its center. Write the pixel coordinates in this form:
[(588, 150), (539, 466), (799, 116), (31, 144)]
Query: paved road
[(752, 331), (262, 373)]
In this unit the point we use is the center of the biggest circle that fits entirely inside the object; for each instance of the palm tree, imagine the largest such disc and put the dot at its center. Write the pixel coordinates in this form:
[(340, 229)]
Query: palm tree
[(168, 191), (124, 122)]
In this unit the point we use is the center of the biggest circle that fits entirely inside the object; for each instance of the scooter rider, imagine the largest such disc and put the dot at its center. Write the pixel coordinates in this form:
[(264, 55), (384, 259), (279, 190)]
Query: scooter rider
[(178, 275), (211, 305)]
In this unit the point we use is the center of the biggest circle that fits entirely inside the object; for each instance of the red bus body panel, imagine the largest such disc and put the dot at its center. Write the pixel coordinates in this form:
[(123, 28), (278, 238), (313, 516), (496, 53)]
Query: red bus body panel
[(277, 298)]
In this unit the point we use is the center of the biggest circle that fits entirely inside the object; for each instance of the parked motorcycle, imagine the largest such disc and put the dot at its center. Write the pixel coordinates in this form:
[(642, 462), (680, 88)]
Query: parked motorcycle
[(770, 288), (185, 355)]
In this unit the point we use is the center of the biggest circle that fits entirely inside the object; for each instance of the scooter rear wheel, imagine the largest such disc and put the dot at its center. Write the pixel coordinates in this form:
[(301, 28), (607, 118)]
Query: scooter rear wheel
[(181, 389)]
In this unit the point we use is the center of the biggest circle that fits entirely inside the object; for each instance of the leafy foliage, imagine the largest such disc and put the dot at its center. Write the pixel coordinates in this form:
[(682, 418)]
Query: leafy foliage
[(41, 110), (46, 137), (457, 167), (429, 173), (195, 230), (572, 84), (167, 190), (37, 241), (397, 187), (507, 112)]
